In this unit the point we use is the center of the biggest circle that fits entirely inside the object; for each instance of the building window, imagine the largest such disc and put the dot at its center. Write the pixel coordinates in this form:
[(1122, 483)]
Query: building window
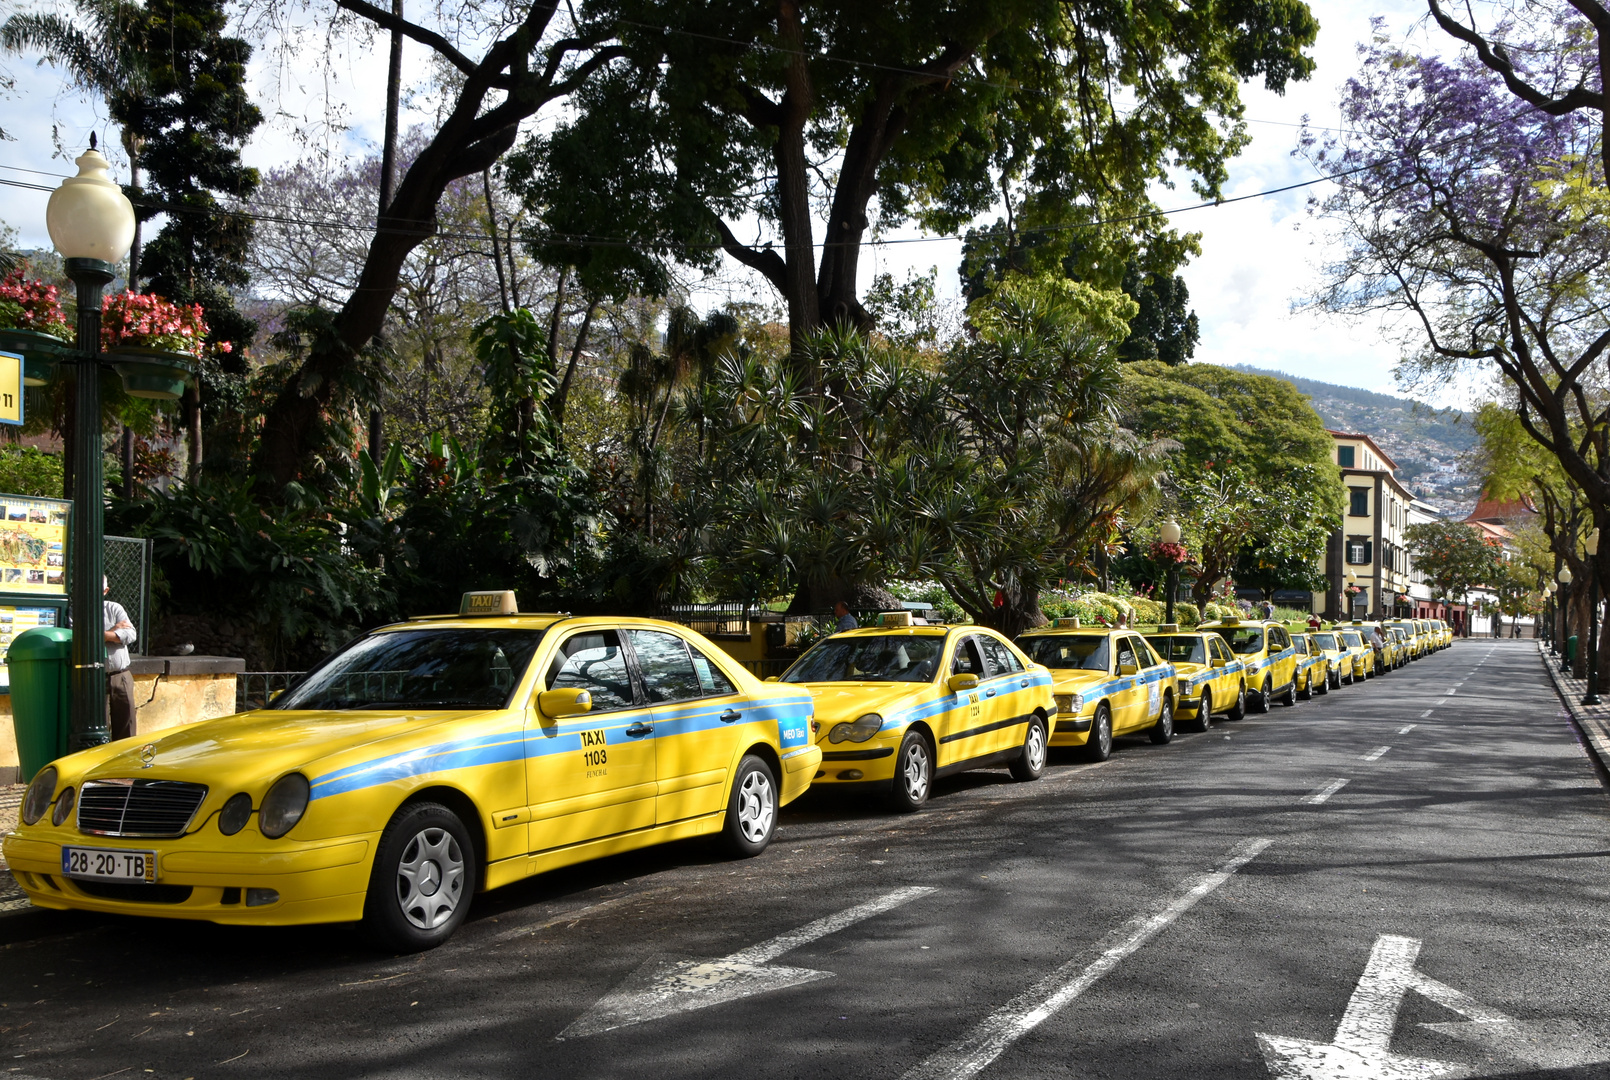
[(1360, 498), (1359, 551), (1345, 456)]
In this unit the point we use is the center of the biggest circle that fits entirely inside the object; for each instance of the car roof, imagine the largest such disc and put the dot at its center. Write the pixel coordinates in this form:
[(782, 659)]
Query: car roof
[(912, 631), (1078, 631)]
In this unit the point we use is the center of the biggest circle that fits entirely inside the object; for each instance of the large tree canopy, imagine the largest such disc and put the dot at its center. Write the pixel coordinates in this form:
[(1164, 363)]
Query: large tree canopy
[(783, 133), (1253, 474)]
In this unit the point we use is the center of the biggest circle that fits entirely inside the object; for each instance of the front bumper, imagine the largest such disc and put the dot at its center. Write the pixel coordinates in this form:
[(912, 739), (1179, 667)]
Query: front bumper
[(311, 882), (1068, 730), (857, 763)]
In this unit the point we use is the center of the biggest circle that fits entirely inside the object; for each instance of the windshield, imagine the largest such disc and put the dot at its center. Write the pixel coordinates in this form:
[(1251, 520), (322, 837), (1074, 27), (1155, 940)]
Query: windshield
[(1326, 641), (886, 658), (1180, 650), (419, 669), (1244, 641), (1352, 639), (1081, 652)]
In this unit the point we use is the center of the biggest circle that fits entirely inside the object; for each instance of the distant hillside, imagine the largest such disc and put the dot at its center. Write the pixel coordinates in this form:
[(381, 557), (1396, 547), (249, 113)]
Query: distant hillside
[(1430, 445)]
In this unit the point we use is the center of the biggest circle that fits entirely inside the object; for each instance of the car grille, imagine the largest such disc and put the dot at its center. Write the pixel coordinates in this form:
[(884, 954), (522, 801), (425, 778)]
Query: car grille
[(138, 807)]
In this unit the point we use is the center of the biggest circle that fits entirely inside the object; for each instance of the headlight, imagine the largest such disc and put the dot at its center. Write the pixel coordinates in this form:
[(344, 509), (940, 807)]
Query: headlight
[(237, 812), (37, 800), (64, 806), (283, 806), (1072, 704), (860, 731)]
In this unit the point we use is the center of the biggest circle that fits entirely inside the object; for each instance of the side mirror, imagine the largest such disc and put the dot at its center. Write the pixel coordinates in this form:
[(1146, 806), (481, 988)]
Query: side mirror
[(771, 678), (1127, 669), (557, 703), (964, 680), (272, 694), (1217, 662)]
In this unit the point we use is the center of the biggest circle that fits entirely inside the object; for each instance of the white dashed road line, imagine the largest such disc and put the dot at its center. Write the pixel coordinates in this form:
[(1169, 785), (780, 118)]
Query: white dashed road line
[(1425, 714), (986, 1042), (1406, 728), (1319, 795), (1375, 755)]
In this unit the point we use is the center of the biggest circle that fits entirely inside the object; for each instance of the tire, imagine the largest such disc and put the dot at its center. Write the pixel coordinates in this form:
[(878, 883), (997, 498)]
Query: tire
[(1349, 680), (1099, 746), (1264, 700), (1204, 714), (913, 773), (424, 876), (1334, 679), (1289, 698), (1031, 763), (1324, 685), (1240, 710), (1307, 691), (1162, 732), (751, 810)]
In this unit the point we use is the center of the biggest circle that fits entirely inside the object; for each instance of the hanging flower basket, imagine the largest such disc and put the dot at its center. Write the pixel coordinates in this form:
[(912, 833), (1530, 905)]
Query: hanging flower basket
[(153, 373), (152, 343), (32, 323)]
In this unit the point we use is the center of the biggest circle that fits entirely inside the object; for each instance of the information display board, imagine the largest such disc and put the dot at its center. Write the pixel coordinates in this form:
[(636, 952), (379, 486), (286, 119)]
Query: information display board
[(33, 545), (13, 621)]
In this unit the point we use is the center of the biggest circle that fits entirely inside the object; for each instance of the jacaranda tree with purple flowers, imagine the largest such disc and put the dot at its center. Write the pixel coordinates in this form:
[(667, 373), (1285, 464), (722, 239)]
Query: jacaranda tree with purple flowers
[(1478, 222)]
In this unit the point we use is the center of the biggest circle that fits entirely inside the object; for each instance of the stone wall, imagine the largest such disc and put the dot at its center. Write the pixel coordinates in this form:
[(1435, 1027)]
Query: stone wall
[(211, 636)]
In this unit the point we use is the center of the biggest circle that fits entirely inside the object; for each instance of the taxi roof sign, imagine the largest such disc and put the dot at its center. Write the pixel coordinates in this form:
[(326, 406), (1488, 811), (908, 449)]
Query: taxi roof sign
[(489, 602), (894, 618), (1071, 623)]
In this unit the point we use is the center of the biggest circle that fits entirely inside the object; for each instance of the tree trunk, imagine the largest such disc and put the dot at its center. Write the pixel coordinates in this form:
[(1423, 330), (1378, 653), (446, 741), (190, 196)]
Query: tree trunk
[(128, 462), (793, 186), (192, 418), (557, 405)]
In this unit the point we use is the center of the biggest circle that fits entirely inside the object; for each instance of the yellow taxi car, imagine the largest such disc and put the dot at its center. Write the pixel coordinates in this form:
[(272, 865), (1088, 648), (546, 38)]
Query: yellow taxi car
[(1108, 683), (1444, 632), (1377, 645), (899, 706), (1267, 656), (1210, 679), (1338, 662), (1312, 667), (1358, 650), (1414, 634), (424, 762)]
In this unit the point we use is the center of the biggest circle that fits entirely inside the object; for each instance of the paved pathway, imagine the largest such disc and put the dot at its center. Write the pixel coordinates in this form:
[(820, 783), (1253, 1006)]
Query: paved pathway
[(1593, 721)]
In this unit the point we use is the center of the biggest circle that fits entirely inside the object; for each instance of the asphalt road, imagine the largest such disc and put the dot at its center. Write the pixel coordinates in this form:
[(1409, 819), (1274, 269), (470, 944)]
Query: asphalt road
[(1218, 907)]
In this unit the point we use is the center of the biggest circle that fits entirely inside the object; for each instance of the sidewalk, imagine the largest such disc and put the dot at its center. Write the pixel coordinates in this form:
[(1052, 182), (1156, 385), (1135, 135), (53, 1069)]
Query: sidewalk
[(1592, 720), (11, 897)]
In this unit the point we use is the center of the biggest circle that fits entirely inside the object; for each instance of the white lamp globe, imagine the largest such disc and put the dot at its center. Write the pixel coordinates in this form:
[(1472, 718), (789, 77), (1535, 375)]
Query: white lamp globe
[(1170, 532), (1565, 575), (89, 217)]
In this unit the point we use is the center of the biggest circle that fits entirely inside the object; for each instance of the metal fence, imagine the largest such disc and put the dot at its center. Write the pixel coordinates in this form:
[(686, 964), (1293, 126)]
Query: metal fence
[(765, 669), (715, 619), (252, 688), (127, 562)]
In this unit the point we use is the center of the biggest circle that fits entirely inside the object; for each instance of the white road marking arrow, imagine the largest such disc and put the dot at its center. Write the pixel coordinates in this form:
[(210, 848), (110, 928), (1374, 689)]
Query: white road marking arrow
[(664, 988), (1361, 1049)]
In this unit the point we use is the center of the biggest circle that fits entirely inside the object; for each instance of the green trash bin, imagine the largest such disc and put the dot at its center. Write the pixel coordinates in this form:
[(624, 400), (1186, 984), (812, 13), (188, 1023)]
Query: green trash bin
[(1570, 649), (39, 662)]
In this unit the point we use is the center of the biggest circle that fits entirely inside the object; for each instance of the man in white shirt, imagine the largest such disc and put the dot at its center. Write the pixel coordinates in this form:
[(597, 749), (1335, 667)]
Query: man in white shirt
[(119, 682), (846, 621)]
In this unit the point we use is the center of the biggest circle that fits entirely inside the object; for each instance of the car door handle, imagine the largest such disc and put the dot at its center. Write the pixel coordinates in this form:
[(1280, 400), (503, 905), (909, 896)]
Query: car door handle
[(989, 693), (1024, 682), (730, 715), (640, 728)]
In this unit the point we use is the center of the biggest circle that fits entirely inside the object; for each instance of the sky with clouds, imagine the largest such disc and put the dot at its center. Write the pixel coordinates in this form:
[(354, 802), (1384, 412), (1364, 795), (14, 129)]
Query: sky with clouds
[(1259, 256)]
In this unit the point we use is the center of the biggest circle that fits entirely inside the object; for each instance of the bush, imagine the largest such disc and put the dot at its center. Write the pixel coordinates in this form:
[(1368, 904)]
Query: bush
[(1091, 608), (27, 470)]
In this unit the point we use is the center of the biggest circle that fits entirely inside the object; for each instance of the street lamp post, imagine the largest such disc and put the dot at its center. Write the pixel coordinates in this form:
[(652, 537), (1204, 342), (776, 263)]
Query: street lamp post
[(1170, 534), (1564, 577), (1548, 617), (1352, 583), (1592, 696), (91, 224)]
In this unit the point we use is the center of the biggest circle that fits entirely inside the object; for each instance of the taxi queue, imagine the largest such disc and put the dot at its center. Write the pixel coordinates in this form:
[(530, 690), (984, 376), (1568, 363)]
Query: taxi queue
[(443, 756)]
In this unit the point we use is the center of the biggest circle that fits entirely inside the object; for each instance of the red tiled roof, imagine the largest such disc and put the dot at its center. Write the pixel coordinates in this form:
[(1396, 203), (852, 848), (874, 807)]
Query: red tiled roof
[(1501, 511)]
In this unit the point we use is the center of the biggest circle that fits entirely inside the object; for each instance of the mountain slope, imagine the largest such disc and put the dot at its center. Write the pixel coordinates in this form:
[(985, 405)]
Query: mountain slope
[(1431, 446)]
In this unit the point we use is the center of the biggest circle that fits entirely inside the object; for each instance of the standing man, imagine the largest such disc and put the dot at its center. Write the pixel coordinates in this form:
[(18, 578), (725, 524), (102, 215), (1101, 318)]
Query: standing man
[(119, 683), (846, 621), (1268, 609), (1313, 621)]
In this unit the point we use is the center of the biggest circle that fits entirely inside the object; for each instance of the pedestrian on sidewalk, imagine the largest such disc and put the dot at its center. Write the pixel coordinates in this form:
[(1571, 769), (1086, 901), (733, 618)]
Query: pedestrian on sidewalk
[(846, 621), (119, 682)]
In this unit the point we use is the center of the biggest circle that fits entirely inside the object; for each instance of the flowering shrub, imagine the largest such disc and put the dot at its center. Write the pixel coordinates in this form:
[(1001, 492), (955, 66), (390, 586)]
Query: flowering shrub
[(141, 320), (31, 305)]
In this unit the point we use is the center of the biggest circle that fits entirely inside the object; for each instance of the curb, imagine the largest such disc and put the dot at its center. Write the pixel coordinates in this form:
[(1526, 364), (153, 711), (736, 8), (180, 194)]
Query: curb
[(1594, 729)]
